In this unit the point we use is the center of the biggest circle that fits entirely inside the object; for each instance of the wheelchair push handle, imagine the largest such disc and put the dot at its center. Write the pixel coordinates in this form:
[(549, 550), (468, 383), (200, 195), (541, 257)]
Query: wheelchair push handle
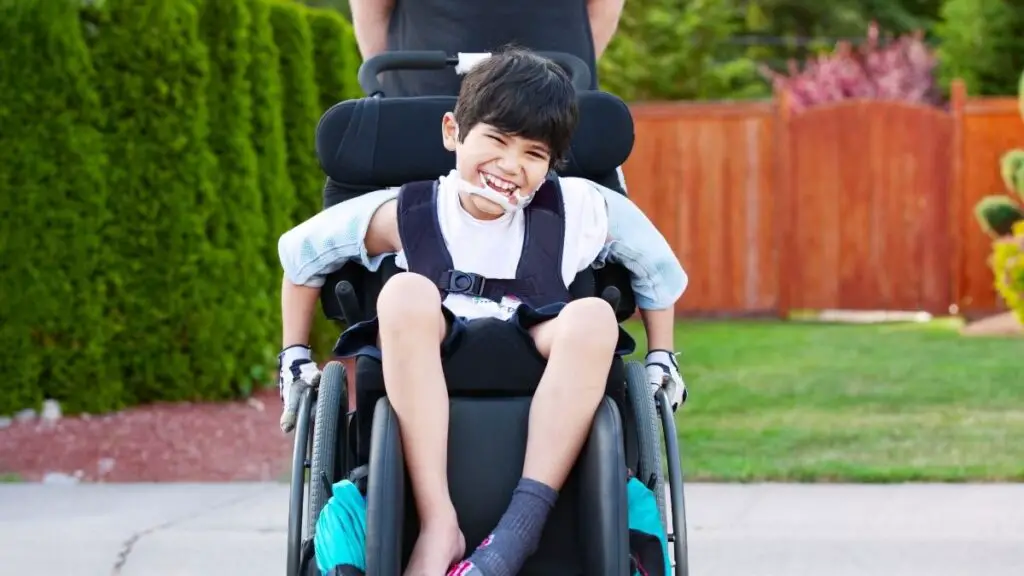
[(399, 60), (576, 68)]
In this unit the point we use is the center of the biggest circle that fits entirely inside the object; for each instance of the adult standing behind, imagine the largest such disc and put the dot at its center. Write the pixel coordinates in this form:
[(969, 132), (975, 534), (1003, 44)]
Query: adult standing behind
[(582, 28)]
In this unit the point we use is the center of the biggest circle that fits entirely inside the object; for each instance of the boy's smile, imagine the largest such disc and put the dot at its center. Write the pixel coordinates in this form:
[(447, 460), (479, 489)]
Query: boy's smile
[(507, 164), (499, 184)]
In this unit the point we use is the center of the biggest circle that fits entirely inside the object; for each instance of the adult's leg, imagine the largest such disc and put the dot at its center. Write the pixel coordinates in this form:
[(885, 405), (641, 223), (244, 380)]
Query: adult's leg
[(412, 328), (579, 345)]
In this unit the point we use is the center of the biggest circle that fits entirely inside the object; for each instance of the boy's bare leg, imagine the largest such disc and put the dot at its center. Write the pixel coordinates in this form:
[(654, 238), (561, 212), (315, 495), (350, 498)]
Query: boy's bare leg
[(411, 330), (579, 345)]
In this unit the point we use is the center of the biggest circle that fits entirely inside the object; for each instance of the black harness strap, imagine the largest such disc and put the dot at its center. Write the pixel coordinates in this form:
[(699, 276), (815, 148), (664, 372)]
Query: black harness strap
[(539, 274)]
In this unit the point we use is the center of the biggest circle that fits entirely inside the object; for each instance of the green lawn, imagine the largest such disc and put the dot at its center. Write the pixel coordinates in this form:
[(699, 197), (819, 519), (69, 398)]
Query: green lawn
[(827, 402)]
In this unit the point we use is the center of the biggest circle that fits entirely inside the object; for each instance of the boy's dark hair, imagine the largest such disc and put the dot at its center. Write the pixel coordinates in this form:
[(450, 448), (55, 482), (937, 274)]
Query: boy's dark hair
[(521, 94)]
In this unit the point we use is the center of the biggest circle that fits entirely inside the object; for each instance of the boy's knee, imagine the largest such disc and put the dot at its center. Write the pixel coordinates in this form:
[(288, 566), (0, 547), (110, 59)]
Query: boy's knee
[(408, 298), (590, 323)]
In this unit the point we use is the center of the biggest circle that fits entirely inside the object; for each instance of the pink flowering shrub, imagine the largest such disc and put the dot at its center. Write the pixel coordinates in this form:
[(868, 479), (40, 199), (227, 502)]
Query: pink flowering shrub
[(902, 69)]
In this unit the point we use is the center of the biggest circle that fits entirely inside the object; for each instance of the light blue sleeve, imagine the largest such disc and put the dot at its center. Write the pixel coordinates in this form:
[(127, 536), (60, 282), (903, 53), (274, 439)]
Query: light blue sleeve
[(325, 242), (657, 277)]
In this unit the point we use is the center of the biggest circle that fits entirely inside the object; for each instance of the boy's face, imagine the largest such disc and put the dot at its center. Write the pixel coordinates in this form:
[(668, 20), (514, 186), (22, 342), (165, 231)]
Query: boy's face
[(509, 165)]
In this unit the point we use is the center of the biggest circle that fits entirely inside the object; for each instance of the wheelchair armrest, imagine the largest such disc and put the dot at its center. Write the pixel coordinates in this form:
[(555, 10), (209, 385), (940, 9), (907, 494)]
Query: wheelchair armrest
[(603, 504), (385, 494)]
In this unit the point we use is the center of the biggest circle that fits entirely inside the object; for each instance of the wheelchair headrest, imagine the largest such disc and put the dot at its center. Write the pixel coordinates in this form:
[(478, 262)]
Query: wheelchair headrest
[(374, 143)]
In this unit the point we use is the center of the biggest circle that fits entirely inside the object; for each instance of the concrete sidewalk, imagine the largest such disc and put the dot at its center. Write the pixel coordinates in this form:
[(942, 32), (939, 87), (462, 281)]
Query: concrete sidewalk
[(767, 530)]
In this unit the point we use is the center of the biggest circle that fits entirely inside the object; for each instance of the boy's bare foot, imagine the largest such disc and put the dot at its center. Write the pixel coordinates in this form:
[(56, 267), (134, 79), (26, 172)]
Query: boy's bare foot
[(438, 547)]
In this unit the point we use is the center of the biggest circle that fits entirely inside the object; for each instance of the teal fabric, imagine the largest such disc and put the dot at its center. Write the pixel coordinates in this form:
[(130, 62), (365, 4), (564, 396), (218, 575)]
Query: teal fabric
[(644, 517), (340, 536)]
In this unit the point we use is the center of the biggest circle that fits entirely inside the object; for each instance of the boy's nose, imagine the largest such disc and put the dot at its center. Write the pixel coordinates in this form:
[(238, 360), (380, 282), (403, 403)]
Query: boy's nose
[(508, 164)]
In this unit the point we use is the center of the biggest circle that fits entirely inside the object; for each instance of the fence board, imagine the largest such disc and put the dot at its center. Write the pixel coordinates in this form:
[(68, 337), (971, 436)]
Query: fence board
[(860, 205), (870, 185), (991, 127), (703, 173)]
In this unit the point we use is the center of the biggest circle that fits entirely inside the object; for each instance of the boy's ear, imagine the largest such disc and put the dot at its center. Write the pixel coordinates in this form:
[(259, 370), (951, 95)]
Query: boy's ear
[(449, 131)]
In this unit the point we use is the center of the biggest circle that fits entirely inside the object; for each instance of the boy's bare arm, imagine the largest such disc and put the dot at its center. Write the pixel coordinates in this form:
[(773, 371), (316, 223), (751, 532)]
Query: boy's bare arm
[(382, 235), (660, 328), (298, 302)]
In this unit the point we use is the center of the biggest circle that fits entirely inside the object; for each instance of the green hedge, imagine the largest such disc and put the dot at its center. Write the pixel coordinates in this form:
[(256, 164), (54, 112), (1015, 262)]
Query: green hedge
[(980, 42), (148, 170), (237, 229), (334, 54), (152, 77), (52, 213), (300, 99), (302, 111), (278, 195)]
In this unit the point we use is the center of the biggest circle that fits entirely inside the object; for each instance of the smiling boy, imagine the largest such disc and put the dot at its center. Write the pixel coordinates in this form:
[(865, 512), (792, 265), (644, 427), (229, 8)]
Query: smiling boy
[(497, 220)]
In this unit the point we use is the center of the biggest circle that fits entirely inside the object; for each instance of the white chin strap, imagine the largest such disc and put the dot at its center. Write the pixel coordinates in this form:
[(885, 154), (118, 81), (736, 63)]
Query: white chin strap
[(492, 195)]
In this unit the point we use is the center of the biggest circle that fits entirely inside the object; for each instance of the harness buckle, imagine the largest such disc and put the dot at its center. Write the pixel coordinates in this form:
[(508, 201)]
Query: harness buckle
[(465, 283)]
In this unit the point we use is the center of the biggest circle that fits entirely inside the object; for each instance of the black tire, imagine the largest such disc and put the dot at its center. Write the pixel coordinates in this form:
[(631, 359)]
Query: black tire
[(329, 407), (648, 428)]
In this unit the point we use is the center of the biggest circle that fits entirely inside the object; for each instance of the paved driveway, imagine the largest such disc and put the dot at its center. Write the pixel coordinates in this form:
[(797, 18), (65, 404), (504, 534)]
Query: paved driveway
[(765, 530)]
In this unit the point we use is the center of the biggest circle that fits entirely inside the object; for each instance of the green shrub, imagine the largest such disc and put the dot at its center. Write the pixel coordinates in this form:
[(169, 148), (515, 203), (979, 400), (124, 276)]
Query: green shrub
[(52, 212), (668, 50), (152, 78), (294, 40), (1008, 267), (979, 41), (335, 55), (997, 214), (300, 103), (269, 143), (236, 229)]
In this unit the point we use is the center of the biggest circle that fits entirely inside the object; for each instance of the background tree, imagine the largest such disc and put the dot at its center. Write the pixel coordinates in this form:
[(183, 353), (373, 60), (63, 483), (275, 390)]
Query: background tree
[(52, 214)]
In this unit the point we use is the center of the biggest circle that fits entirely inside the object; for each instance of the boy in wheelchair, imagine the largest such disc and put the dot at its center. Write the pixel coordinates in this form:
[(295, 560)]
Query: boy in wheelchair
[(483, 242)]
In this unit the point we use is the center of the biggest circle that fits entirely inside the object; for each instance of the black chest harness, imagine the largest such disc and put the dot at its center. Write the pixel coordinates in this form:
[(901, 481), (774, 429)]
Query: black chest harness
[(538, 278)]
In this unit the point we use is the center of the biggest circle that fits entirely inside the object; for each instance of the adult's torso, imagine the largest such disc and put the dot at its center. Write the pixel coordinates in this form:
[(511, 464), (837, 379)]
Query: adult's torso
[(482, 26)]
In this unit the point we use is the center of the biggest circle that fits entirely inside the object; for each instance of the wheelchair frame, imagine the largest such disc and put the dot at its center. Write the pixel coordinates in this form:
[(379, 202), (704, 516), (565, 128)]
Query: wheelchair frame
[(301, 527), (300, 555)]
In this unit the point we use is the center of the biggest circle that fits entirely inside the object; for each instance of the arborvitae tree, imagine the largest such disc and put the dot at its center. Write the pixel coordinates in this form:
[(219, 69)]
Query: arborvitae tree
[(269, 142), (301, 109), (335, 55), (152, 78), (236, 229), (52, 211)]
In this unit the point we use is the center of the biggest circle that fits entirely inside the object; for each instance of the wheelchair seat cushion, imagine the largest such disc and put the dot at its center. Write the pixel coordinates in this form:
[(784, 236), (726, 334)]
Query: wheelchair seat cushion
[(490, 358)]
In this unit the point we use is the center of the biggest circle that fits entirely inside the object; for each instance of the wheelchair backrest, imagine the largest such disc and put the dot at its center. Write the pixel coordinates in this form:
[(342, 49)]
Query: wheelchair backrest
[(373, 143)]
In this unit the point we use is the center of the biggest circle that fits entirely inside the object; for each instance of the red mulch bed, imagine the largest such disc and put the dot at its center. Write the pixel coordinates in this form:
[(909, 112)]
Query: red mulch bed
[(232, 441)]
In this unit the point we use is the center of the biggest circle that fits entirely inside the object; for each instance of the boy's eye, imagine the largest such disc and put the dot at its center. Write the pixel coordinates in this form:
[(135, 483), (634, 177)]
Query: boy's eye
[(538, 155), (496, 138)]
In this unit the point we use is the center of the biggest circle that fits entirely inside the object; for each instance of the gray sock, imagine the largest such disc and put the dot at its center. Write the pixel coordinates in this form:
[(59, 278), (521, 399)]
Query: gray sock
[(517, 535)]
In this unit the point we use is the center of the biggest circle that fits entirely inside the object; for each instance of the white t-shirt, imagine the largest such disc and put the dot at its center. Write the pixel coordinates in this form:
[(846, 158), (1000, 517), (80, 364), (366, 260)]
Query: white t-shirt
[(491, 248)]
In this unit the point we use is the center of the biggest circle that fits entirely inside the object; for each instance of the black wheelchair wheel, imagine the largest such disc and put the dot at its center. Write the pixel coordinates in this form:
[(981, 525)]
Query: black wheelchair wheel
[(641, 399), (330, 411)]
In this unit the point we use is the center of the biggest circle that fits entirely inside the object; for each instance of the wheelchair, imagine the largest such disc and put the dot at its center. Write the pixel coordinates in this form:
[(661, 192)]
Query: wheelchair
[(376, 142)]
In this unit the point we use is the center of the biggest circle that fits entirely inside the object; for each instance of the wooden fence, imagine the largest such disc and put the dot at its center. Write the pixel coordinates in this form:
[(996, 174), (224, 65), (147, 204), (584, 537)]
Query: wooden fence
[(861, 205)]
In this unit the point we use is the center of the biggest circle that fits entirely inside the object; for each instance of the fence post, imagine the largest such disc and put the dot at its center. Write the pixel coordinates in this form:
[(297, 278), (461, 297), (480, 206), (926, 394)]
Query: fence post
[(784, 206), (957, 105)]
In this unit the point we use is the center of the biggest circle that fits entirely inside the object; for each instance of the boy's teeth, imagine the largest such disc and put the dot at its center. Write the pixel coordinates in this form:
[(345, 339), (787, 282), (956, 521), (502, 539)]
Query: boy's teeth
[(504, 186)]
